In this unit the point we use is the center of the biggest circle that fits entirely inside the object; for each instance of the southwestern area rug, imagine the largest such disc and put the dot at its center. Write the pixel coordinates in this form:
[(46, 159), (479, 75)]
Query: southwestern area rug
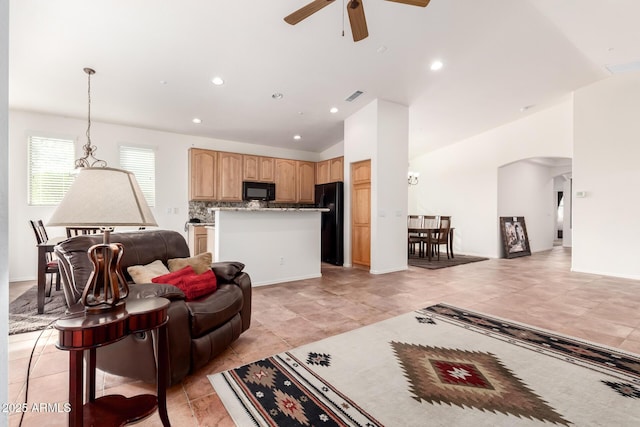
[(440, 366)]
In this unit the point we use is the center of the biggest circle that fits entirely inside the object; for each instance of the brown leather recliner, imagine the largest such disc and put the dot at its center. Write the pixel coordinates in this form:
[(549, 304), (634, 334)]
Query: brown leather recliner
[(198, 330)]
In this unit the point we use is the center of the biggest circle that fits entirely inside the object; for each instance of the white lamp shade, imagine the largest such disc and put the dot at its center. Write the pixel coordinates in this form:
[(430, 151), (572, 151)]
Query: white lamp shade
[(104, 197)]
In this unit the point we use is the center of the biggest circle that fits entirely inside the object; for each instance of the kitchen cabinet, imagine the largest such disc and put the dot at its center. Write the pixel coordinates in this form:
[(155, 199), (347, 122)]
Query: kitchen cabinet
[(197, 239), (322, 172), (331, 170), (229, 177), (258, 168), (202, 174), (286, 180), (336, 169), (306, 182)]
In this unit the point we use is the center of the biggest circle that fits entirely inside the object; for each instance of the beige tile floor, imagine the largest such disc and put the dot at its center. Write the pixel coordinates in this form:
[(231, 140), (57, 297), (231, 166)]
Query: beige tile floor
[(538, 290)]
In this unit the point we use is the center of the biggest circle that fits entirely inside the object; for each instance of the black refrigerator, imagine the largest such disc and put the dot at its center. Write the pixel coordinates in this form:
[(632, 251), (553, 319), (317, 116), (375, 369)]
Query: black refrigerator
[(332, 232)]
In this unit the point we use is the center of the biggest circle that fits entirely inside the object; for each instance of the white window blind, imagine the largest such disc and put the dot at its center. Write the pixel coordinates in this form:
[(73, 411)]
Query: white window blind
[(142, 162), (51, 163)]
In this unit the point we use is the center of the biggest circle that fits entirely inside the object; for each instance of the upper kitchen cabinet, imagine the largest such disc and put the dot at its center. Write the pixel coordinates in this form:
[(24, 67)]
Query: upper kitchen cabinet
[(336, 169), (331, 170), (258, 168), (229, 177), (202, 174), (306, 182), (285, 174)]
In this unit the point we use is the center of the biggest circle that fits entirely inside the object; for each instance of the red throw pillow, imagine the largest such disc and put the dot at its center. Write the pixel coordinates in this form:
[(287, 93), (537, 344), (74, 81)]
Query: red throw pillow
[(196, 286), (193, 285), (175, 277)]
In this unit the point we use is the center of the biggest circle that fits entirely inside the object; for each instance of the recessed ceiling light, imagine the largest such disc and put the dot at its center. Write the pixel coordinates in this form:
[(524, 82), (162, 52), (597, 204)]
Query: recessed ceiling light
[(436, 65), (217, 81), (333, 110), (297, 137), (526, 107), (197, 121), (277, 95)]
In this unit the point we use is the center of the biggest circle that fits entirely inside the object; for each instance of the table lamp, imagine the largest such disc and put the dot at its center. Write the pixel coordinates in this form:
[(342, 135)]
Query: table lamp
[(103, 197)]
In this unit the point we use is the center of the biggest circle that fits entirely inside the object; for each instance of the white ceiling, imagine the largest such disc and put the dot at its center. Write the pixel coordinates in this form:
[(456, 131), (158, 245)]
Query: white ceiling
[(499, 56)]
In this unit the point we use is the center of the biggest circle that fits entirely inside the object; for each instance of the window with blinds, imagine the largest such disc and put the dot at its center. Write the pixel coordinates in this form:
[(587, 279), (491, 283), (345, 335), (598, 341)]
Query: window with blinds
[(142, 162), (51, 163)]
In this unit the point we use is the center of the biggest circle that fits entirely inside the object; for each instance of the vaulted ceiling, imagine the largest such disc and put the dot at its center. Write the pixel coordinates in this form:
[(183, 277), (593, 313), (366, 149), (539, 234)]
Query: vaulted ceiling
[(154, 63)]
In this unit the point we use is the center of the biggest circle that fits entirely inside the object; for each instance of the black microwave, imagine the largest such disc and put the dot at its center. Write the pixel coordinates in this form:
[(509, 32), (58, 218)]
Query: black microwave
[(258, 191)]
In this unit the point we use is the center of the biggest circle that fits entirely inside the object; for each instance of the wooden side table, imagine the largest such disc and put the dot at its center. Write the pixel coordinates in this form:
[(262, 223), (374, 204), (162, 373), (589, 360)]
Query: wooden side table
[(85, 332)]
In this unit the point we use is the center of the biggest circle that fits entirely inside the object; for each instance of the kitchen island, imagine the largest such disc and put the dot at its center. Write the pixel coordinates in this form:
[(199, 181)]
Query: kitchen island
[(275, 244)]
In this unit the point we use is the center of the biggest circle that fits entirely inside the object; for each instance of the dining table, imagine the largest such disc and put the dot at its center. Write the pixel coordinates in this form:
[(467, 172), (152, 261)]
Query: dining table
[(428, 232), (43, 249)]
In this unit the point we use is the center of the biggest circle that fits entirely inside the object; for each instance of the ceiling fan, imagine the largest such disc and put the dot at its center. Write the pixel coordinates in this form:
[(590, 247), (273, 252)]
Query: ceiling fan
[(355, 10)]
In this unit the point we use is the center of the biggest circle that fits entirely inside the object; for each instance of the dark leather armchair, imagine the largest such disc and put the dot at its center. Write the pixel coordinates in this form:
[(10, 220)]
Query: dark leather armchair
[(198, 330)]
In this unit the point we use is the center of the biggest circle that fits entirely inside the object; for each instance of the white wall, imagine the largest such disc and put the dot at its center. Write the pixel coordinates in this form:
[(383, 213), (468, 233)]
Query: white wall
[(4, 207), (274, 246), (379, 131), (335, 150), (461, 180), (171, 173), (526, 189), (360, 136), (606, 225), (389, 252)]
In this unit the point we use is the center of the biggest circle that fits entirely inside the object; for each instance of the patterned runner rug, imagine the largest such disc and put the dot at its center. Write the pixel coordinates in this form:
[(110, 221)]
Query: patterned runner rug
[(440, 366)]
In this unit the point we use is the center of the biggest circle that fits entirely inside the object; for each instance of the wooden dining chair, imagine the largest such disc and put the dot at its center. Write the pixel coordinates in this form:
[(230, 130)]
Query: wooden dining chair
[(52, 267), (413, 239), (441, 237), (79, 231)]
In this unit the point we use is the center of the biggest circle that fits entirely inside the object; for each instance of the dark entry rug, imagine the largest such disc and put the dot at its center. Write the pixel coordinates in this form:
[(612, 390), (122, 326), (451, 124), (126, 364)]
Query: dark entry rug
[(23, 311), (416, 261), (439, 366)]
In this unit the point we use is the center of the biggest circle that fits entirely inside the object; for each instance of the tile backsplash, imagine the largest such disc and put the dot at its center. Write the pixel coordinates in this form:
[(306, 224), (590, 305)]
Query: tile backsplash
[(198, 209)]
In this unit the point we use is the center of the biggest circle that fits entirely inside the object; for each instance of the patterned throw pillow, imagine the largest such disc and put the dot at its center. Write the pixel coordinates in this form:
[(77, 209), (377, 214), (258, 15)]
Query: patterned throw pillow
[(200, 263), (192, 284), (144, 273)]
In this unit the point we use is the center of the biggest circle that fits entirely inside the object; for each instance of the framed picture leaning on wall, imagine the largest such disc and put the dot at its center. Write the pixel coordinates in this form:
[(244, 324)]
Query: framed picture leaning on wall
[(514, 236)]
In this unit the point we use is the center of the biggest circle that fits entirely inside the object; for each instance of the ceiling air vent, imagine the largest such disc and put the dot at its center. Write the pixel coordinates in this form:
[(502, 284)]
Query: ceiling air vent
[(354, 95), (624, 68)]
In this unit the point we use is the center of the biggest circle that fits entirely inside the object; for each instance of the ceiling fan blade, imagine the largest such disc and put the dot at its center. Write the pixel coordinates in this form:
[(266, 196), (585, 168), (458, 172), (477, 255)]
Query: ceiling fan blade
[(306, 11), (357, 20), (421, 3)]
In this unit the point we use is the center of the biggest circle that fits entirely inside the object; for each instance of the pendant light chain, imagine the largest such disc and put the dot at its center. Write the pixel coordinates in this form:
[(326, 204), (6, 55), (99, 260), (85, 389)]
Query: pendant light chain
[(89, 160)]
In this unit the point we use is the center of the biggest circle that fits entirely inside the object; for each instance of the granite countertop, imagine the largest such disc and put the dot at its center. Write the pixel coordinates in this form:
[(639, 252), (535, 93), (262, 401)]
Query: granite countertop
[(243, 209)]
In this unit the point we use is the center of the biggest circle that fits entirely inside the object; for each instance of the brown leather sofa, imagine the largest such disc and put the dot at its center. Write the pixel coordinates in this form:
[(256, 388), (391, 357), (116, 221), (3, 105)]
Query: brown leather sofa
[(198, 330)]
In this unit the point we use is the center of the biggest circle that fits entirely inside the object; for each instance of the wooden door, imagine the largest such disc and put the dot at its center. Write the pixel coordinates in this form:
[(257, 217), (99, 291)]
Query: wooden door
[(229, 177), (306, 182), (361, 213), (202, 174), (286, 188)]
